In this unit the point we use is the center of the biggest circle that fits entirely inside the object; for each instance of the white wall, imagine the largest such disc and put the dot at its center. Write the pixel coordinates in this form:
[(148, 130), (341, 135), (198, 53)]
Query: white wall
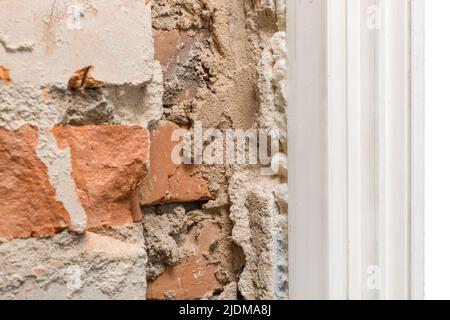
[(437, 207)]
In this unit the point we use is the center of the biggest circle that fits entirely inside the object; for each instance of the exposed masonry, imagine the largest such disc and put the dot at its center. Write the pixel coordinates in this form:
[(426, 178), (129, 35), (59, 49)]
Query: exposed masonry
[(116, 224), (224, 63)]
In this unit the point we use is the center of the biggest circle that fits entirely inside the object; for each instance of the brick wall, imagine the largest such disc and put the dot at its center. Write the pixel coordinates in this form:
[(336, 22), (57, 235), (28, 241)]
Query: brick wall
[(92, 206)]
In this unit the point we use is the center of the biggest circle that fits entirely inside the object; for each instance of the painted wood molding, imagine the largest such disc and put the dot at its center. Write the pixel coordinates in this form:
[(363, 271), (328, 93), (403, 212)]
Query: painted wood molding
[(356, 149)]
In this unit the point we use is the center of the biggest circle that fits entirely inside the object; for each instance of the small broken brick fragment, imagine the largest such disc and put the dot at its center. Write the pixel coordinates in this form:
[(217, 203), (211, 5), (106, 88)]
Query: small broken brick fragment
[(45, 92), (168, 182), (29, 207), (4, 75), (82, 79), (108, 163), (192, 278)]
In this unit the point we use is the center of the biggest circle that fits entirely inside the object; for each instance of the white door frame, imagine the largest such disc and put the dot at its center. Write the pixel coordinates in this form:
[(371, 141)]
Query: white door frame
[(356, 149)]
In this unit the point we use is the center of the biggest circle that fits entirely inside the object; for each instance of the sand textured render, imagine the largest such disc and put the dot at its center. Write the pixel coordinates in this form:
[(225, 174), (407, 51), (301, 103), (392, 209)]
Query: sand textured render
[(237, 50), (260, 228), (190, 253), (193, 278)]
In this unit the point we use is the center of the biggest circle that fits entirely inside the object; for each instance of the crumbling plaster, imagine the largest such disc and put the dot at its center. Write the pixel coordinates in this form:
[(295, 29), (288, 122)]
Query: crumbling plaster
[(245, 60)]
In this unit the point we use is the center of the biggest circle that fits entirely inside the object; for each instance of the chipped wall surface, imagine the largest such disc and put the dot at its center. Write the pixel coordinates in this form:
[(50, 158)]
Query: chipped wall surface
[(91, 266), (55, 38), (92, 204), (224, 64)]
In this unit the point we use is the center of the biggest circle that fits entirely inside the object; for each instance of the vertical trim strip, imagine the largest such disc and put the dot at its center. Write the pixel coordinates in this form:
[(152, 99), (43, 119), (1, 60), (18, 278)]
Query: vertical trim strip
[(418, 148), (307, 118), (337, 149), (356, 149)]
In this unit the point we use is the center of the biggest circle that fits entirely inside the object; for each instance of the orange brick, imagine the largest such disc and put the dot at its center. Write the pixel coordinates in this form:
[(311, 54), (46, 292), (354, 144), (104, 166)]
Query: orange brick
[(166, 181), (193, 278), (4, 75), (108, 164), (28, 200)]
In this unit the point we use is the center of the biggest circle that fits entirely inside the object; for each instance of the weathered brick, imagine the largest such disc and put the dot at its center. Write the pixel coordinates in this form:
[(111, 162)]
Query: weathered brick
[(193, 278), (168, 182), (167, 46), (179, 52), (108, 164), (28, 201)]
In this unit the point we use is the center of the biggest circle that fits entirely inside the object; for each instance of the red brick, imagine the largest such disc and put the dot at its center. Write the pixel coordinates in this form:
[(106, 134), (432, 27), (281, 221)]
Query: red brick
[(108, 164), (166, 181), (167, 46), (28, 200), (193, 278), (176, 49)]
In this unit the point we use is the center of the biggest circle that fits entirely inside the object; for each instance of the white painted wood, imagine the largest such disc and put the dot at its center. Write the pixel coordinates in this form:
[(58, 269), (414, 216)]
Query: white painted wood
[(356, 149), (369, 22), (418, 149), (337, 154), (354, 130), (308, 247), (395, 136)]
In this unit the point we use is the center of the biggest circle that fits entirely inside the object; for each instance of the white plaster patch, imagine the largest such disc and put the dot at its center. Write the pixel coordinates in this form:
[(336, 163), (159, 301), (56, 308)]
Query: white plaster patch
[(279, 164), (89, 266), (273, 87), (59, 164), (74, 280), (41, 53), (44, 43), (279, 75)]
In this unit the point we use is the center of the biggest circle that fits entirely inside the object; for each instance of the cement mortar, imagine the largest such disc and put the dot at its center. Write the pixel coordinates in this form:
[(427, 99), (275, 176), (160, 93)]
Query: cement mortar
[(260, 228), (47, 107), (68, 266), (245, 58), (165, 229)]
